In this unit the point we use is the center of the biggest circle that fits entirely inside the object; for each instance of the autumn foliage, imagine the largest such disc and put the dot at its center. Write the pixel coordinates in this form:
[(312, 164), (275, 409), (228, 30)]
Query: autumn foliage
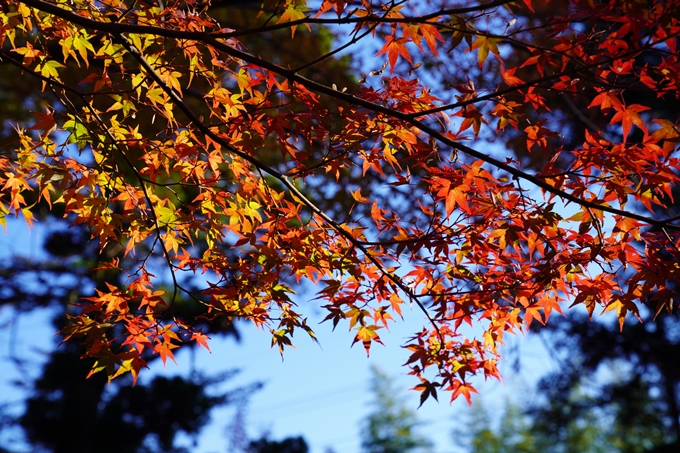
[(490, 163)]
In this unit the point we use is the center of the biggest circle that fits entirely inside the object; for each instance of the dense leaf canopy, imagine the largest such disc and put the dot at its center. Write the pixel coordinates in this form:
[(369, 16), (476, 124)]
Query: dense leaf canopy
[(490, 163)]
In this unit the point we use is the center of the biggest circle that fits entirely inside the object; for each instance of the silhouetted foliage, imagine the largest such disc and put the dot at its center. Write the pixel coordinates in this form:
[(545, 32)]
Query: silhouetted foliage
[(289, 445)]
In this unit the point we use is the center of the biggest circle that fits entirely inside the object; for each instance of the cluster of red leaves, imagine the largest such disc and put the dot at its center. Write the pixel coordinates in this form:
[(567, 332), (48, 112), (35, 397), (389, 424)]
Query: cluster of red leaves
[(478, 241)]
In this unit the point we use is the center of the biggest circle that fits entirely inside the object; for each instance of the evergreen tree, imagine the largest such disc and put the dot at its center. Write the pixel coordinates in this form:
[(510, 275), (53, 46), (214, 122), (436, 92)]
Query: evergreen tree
[(391, 427), (518, 432)]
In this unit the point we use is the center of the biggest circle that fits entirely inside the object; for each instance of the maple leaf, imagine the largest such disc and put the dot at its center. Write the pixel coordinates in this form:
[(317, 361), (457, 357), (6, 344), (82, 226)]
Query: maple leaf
[(532, 312), (628, 115), (200, 339), (461, 388), (29, 52), (394, 48), (485, 44), (622, 306), (426, 389), (667, 130), (367, 334), (457, 196), (327, 5), (358, 197), (164, 349), (606, 100), (510, 78), (538, 135), (292, 13), (281, 339), (431, 35), (46, 121), (129, 362)]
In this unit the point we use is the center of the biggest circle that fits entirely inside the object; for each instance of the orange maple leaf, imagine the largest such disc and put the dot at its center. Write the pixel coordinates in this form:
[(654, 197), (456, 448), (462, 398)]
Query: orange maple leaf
[(394, 48)]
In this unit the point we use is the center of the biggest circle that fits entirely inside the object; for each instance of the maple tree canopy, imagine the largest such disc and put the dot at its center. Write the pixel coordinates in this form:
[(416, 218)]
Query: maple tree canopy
[(488, 163)]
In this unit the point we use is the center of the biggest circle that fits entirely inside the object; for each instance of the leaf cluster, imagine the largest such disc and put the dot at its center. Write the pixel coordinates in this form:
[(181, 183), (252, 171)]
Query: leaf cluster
[(211, 170)]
